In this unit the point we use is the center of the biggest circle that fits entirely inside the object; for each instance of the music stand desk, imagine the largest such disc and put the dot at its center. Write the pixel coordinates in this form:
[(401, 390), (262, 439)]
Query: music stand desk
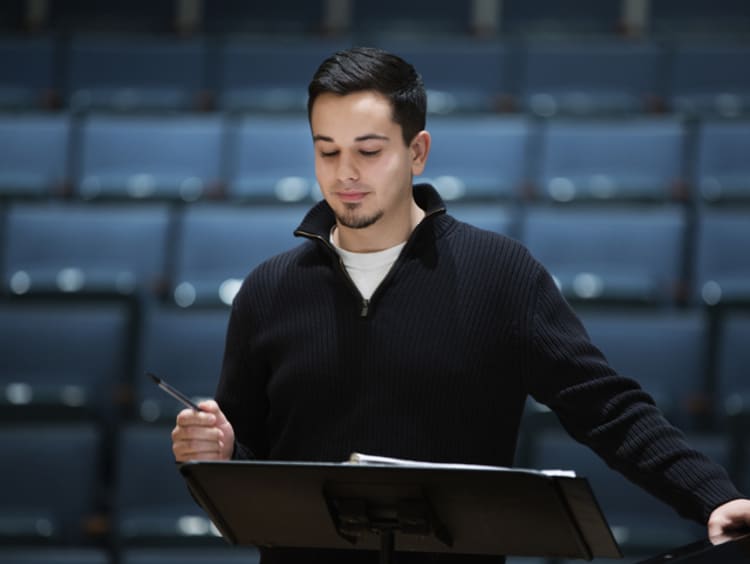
[(424, 508)]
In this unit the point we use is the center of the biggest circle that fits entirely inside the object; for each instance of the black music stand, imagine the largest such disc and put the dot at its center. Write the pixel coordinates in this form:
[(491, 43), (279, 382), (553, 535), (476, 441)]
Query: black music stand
[(730, 551), (422, 508)]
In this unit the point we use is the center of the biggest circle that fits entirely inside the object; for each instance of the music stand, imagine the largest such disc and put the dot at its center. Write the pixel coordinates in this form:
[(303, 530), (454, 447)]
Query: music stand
[(730, 551), (422, 508)]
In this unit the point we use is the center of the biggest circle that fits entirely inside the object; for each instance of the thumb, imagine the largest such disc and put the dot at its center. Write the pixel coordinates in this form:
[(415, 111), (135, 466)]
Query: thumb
[(227, 441), (210, 406)]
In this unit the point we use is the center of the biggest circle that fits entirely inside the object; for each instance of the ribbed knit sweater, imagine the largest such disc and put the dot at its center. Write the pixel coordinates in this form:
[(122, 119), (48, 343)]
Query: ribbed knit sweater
[(436, 366)]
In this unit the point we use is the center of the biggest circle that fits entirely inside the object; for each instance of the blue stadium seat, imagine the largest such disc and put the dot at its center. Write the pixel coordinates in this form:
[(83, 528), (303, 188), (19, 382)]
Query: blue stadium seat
[(666, 352), (222, 555), (722, 263), (611, 160), (593, 77), (460, 75), (620, 254), (283, 17), (34, 159), (135, 73), (51, 478), (263, 75), (478, 158), (548, 17), (152, 502), (172, 157), (723, 169), (27, 78), (501, 219), (418, 16), (62, 359), (219, 245), (641, 523), (711, 79), (258, 170), (185, 347), (701, 18), (733, 362), (56, 555), (85, 248), (121, 16)]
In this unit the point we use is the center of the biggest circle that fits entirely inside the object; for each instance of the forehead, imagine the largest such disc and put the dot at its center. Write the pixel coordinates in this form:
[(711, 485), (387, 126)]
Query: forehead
[(336, 115)]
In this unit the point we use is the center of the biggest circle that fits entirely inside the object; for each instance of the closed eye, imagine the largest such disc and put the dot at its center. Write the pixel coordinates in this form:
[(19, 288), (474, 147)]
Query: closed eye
[(328, 153), (369, 153)]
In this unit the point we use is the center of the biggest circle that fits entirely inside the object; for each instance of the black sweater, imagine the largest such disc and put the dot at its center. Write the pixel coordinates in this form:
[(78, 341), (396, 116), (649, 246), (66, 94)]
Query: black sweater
[(438, 364)]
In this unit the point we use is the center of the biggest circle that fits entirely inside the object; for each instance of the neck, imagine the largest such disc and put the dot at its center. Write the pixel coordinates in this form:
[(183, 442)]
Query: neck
[(381, 235)]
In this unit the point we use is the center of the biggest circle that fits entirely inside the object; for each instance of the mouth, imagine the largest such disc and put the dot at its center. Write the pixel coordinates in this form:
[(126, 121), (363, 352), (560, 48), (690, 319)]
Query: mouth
[(351, 197)]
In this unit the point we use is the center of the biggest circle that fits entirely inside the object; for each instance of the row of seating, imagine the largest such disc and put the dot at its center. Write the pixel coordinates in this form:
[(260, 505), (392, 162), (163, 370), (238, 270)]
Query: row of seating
[(88, 359), (271, 159), (543, 77), (160, 555), (301, 16), (58, 495), (198, 255)]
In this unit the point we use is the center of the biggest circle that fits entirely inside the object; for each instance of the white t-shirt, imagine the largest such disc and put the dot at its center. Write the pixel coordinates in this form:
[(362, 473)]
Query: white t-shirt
[(367, 270)]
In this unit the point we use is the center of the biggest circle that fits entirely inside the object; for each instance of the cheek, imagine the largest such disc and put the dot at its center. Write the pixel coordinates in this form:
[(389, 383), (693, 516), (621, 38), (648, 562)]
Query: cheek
[(322, 171), (391, 165)]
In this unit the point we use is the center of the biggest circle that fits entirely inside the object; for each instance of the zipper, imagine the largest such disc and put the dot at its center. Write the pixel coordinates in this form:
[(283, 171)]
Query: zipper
[(364, 309)]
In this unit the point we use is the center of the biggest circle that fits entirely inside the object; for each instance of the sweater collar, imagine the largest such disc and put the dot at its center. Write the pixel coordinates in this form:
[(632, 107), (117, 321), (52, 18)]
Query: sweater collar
[(320, 219)]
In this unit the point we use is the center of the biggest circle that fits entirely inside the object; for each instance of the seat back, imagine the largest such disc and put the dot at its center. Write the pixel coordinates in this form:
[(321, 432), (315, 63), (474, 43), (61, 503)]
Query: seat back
[(219, 245), (51, 479), (722, 263), (263, 76), (611, 160), (710, 79), (28, 78), (142, 157), (135, 73), (665, 351), (153, 503), (478, 158), (588, 78), (183, 346), (723, 169), (259, 171), (63, 359), (610, 254), (34, 159), (85, 249)]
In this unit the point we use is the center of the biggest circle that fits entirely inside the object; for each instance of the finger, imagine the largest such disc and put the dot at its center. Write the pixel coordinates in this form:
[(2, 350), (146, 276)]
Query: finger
[(210, 406), (190, 417), (182, 434), (196, 450)]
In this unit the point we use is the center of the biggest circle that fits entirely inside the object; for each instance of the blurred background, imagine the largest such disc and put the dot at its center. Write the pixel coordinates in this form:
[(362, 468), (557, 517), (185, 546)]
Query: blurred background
[(153, 151)]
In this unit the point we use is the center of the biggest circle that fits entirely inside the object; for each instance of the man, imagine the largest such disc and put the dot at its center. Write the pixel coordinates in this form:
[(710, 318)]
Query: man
[(396, 330)]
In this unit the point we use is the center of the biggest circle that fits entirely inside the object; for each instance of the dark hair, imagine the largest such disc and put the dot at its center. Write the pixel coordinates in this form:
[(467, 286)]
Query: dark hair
[(367, 68)]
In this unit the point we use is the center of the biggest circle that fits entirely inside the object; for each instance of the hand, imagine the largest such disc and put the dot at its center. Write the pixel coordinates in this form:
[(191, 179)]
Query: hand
[(202, 435), (729, 521)]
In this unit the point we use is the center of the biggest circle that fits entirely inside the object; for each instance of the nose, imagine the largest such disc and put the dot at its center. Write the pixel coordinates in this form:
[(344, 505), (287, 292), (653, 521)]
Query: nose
[(347, 170)]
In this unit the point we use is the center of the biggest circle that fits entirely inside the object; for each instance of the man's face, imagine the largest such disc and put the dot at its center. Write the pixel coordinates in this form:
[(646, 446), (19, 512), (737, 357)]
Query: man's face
[(362, 164)]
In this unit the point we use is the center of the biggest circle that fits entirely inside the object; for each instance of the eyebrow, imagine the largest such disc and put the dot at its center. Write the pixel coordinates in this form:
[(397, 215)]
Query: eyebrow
[(359, 139)]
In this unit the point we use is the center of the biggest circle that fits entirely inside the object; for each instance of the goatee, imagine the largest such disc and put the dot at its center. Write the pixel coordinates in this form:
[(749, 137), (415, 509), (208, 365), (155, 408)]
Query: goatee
[(352, 220)]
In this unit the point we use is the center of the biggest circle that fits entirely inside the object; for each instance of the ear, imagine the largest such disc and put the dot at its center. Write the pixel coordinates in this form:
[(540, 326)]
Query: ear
[(420, 148)]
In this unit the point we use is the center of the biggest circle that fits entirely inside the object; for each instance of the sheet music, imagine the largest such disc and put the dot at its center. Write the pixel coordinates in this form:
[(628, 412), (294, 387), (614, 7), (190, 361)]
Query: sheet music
[(361, 458)]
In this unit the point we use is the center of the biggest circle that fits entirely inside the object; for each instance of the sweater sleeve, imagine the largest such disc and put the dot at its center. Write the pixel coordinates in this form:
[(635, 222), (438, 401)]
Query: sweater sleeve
[(612, 414), (241, 389)]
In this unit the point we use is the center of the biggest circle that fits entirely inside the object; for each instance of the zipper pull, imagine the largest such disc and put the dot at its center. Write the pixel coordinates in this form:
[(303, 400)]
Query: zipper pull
[(365, 308)]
